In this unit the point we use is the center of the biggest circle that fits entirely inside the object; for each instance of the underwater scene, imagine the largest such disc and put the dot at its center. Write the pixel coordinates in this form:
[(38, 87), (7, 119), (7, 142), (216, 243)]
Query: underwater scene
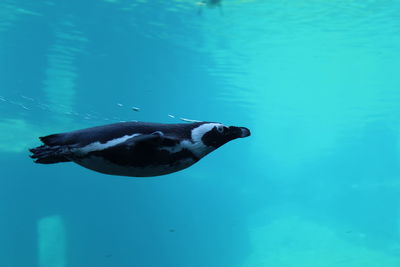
[(313, 86)]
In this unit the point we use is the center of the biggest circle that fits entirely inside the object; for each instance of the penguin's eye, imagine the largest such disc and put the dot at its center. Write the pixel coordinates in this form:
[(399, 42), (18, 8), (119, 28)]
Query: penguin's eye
[(220, 128)]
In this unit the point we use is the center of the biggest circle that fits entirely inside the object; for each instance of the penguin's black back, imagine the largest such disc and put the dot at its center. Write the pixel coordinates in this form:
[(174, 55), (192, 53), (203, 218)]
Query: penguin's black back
[(108, 132)]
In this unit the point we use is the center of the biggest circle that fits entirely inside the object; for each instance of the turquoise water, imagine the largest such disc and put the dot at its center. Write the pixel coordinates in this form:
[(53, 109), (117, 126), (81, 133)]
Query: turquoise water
[(316, 185)]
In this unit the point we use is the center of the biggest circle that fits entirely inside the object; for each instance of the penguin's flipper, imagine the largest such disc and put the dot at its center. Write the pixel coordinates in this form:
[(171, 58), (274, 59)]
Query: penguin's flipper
[(156, 138)]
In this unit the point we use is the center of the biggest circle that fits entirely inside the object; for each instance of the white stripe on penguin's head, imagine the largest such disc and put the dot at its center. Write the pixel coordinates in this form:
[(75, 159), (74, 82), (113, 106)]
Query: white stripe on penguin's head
[(198, 132)]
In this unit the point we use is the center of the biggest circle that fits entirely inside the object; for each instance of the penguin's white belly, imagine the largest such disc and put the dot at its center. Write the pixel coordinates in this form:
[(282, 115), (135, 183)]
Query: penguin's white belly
[(102, 165)]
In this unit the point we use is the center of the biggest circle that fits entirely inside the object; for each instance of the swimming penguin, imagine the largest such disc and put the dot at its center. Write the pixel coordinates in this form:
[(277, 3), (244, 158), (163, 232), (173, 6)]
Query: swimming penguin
[(209, 4), (137, 149)]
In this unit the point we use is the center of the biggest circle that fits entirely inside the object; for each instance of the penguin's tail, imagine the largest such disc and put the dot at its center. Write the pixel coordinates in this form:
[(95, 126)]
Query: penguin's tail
[(48, 154)]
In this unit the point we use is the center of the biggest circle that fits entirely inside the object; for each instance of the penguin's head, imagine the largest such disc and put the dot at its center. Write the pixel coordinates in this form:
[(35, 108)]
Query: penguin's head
[(218, 134)]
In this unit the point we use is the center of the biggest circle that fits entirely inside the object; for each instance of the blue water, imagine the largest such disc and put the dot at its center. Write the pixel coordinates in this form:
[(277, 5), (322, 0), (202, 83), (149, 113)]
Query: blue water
[(316, 185)]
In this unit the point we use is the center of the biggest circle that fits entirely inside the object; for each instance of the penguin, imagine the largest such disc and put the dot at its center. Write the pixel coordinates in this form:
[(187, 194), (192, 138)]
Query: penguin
[(209, 4), (137, 149)]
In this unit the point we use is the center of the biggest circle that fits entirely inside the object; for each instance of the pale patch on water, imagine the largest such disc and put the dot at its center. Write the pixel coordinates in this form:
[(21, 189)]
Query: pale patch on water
[(293, 242), (62, 73), (16, 135), (51, 242)]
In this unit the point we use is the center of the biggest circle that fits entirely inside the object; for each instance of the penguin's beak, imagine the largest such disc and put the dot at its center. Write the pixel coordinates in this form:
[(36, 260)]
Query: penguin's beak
[(239, 132), (244, 132)]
